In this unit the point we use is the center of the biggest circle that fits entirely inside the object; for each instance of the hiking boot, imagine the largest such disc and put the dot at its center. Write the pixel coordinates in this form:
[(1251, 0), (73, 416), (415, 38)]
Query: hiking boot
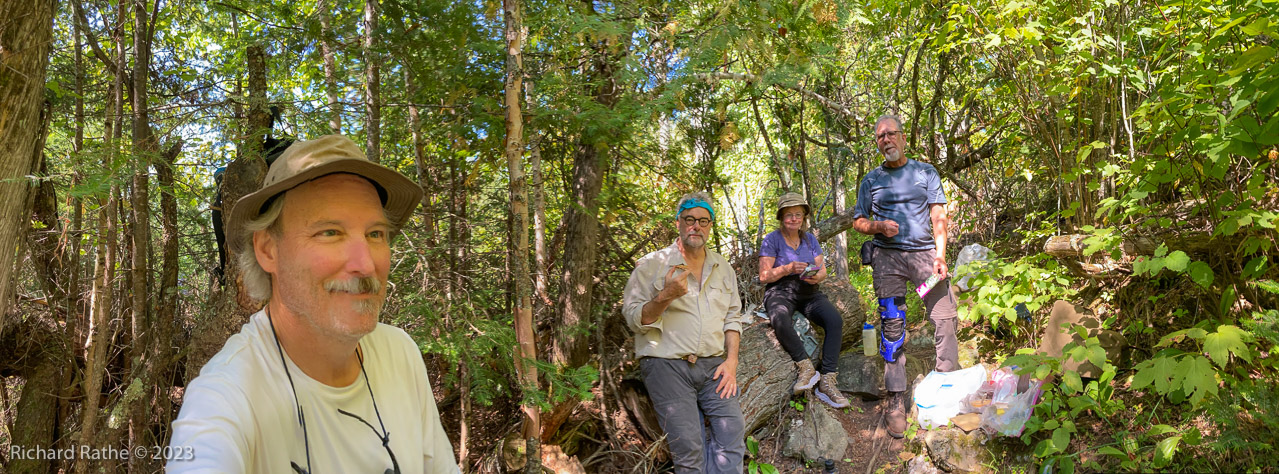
[(807, 376), (895, 419), (829, 393)]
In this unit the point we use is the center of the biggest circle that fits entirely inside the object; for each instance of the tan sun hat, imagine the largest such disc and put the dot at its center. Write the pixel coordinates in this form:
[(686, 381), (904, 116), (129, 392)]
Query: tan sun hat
[(307, 160), (790, 200)]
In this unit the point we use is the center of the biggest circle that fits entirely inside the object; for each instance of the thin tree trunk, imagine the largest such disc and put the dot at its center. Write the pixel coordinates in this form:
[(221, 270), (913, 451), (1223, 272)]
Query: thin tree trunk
[(372, 94), (570, 346), (97, 339), (75, 308), (140, 202), (25, 37), (540, 253), (424, 179), (330, 67), (522, 309), (101, 324)]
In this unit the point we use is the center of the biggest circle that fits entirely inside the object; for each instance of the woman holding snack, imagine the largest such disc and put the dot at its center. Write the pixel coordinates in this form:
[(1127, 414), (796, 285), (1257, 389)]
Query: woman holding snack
[(791, 265)]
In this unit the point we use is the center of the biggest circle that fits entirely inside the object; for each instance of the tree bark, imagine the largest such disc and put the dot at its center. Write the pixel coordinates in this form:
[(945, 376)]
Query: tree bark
[(522, 309), (372, 84), (99, 334), (25, 38), (570, 346), (540, 253), (426, 266)]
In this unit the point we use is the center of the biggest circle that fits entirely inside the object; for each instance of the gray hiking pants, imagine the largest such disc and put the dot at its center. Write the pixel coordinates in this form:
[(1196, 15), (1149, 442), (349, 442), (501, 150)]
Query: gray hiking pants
[(896, 272), (683, 394)]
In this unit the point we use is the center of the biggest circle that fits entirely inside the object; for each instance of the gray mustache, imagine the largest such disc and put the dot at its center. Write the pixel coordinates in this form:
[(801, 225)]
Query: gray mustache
[(355, 285)]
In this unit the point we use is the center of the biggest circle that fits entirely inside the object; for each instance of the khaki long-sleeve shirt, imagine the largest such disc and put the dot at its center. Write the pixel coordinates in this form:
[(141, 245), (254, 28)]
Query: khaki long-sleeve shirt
[(693, 324)]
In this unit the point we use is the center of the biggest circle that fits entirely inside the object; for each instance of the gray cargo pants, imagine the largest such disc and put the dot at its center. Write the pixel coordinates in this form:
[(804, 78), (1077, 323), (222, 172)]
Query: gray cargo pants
[(896, 272), (683, 394)]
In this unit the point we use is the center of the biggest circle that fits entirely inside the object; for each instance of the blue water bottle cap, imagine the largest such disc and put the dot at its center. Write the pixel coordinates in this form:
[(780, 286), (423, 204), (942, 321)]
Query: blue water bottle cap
[(868, 326)]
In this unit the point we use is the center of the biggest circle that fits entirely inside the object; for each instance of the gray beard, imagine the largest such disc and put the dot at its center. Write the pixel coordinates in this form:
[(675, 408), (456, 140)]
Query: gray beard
[(893, 156)]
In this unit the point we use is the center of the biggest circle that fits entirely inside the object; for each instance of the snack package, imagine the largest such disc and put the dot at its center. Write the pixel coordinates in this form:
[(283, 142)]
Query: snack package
[(928, 285)]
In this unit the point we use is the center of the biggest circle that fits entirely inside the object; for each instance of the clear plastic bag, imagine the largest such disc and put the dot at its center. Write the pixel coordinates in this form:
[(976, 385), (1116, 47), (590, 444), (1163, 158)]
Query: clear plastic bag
[(1009, 417), (999, 386), (968, 255)]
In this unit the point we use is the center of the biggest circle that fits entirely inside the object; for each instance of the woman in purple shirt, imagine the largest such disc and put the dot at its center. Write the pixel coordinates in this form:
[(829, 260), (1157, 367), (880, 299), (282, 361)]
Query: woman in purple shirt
[(790, 264)]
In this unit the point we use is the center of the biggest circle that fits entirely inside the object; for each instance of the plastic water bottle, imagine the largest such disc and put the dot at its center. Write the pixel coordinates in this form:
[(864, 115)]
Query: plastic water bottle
[(870, 346)]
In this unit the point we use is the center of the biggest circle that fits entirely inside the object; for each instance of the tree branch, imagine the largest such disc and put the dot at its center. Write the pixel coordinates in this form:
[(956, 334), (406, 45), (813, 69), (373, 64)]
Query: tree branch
[(753, 79), (93, 40)]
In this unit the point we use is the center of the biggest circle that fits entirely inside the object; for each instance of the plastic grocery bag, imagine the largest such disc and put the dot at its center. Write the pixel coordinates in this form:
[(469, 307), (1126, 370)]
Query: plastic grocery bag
[(1009, 417), (941, 394)]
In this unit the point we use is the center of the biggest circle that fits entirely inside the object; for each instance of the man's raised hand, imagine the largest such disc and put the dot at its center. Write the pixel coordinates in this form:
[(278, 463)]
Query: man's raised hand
[(674, 285)]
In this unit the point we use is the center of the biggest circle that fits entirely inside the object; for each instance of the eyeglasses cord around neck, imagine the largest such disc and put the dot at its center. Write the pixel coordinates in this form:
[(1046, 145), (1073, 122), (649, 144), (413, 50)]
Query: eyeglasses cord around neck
[(385, 436)]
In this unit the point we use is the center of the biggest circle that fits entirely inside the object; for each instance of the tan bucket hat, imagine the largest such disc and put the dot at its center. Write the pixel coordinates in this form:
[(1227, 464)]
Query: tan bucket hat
[(792, 199), (307, 160)]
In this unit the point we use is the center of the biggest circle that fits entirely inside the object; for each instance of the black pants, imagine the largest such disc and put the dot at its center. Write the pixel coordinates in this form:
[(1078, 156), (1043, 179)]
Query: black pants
[(782, 298)]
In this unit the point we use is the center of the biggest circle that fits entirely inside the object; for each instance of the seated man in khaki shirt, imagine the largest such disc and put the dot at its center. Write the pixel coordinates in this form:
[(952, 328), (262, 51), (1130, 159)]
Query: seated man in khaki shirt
[(682, 303)]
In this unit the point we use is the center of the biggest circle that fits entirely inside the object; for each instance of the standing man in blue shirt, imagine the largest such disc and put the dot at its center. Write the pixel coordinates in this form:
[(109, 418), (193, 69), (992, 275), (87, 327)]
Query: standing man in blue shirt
[(902, 204)]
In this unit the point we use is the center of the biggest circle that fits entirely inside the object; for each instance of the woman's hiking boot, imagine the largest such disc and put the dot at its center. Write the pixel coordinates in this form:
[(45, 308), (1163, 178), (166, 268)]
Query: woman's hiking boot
[(807, 376), (828, 392)]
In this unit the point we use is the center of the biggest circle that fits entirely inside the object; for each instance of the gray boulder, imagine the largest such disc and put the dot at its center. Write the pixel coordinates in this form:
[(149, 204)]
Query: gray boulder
[(817, 435), (953, 450)]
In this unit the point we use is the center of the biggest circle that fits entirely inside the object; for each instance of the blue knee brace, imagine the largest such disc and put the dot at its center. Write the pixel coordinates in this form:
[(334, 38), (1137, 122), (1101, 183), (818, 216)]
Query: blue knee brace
[(892, 327)]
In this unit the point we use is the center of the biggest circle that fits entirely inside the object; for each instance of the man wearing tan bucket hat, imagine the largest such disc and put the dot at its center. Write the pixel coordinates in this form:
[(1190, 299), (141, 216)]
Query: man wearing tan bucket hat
[(313, 382)]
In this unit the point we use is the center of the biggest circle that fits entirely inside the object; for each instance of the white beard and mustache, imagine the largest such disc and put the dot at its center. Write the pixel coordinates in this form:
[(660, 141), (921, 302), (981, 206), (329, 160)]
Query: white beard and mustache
[(360, 285)]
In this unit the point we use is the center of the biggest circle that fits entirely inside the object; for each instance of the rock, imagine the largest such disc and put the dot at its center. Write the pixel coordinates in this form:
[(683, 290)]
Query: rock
[(1055, 338), (817, 435), (955, 451), (921, 355), (921, 465), (860, 375)]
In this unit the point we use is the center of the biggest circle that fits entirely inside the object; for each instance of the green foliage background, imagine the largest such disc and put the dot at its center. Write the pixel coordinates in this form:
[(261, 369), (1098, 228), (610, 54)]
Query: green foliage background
[(1149, 121)]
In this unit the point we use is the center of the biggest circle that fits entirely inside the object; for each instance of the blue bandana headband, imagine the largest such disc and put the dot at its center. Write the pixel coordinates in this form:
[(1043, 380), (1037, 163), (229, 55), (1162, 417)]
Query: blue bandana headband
[(695, 202)]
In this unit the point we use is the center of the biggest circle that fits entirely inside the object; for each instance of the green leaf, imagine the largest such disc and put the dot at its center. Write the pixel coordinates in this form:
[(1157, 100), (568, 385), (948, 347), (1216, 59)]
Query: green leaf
[(1161, 250), (768, 469), (1254, 267), (1112, 451), (1201, 273), (1268, 285), (1228, 339), (1200, 378), (1253, 56), (1177, 261), (1160, 430), (1072, 382), (1259, 26), (1097, 355), (1165, 450), (1228, 300), (1061, 438)]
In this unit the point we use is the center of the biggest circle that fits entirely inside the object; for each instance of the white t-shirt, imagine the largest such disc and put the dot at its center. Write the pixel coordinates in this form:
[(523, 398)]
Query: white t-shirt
[(239, 414)]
